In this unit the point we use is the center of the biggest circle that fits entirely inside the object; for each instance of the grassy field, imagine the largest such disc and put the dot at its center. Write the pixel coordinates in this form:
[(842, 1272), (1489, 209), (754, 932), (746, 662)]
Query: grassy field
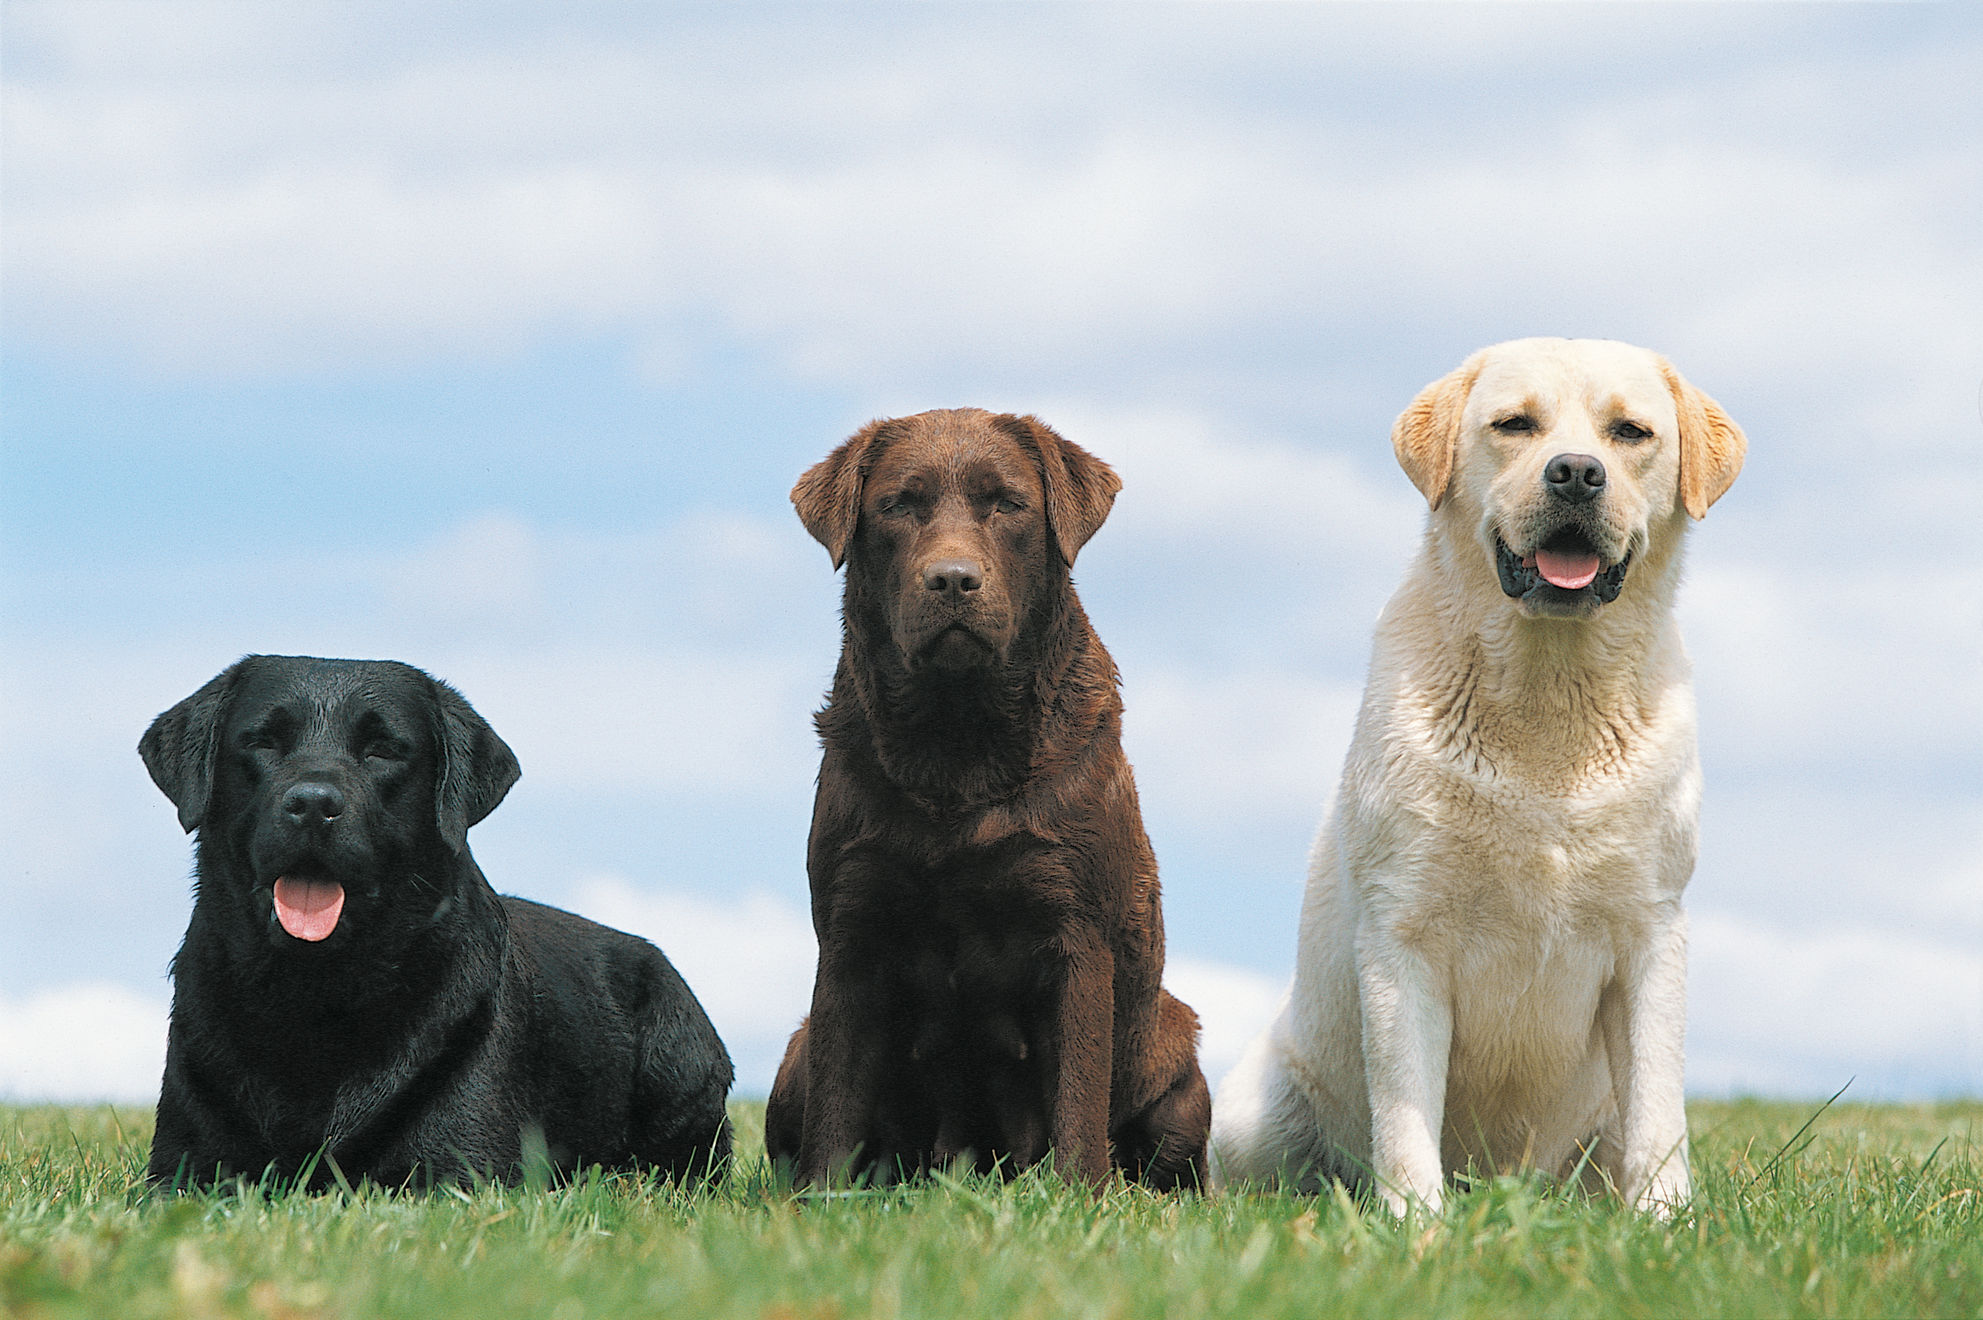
[(1865, 1211)]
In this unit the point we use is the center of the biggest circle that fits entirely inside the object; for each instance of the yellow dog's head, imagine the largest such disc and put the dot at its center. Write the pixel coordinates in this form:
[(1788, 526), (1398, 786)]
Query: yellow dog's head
[(1568, 462)]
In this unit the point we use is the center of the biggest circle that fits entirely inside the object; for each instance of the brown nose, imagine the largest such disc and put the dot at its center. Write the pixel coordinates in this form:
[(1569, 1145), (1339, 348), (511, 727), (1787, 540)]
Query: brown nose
[(954, 576), (1574, 477)]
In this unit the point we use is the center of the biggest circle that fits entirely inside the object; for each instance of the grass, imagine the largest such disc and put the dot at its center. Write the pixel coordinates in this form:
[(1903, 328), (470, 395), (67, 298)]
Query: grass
[(1862, 1211)]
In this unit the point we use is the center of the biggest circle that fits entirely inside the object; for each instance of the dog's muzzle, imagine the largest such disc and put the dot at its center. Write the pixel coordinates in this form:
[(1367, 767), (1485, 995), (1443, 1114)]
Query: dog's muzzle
[(1523, 576)]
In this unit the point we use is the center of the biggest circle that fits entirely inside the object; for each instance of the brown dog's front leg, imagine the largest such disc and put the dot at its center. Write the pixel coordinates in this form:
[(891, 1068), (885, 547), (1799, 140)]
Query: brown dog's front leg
[(841, 1065), (1086, 1022)]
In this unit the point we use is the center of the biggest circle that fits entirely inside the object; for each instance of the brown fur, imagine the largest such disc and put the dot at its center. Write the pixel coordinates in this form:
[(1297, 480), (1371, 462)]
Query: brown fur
[(991, 943)]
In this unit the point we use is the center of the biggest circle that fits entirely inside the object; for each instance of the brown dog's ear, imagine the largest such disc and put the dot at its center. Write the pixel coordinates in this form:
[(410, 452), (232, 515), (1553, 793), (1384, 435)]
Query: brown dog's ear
[(1080, 488), (180, 747), (477, 767), (1712, 446), (1427, 433), (828, 496)]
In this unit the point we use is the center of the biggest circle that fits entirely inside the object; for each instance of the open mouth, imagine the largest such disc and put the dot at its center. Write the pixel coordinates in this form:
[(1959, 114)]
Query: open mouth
[(1564, 568), (308, 906)]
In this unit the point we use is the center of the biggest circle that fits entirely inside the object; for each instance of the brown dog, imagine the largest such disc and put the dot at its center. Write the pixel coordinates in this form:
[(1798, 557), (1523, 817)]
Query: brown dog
[(991, 944)]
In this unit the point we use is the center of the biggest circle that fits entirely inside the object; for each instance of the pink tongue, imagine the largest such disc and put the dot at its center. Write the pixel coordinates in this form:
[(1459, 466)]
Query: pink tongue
[(308, 909), (1569, 572)]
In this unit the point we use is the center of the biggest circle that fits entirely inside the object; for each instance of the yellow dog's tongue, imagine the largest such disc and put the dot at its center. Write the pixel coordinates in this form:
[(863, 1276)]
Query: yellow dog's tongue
[(1569, 571), (308, 909)]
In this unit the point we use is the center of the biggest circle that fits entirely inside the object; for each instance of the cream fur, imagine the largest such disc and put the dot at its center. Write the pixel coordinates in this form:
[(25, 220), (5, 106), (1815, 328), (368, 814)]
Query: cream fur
[(1491, 964)]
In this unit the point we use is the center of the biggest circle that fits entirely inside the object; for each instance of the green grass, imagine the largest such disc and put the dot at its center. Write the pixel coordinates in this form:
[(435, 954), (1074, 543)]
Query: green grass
[(1870, 1211)]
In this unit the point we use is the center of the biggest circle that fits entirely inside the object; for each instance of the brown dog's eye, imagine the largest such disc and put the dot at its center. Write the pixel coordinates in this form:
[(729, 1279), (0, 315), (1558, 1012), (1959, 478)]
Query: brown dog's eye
[(1516, 425), (1629, 432), (1006, 504)]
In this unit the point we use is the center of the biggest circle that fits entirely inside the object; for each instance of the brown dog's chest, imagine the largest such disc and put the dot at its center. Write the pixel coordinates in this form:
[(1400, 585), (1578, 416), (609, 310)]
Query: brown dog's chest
[(972, 1034), (975, 995), (966, 953)]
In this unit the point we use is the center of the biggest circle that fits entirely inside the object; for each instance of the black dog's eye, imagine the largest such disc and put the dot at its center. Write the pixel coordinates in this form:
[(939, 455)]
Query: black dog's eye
[(384, 750), (1516, 425), (1630, 432), (274, 732)]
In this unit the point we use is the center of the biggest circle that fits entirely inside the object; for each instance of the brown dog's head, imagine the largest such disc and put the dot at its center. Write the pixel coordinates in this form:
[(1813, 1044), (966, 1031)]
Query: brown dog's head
[(954, 525)]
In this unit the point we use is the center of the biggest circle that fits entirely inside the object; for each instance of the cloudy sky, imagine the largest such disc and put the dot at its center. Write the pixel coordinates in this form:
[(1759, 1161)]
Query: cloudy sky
[(491, 337)]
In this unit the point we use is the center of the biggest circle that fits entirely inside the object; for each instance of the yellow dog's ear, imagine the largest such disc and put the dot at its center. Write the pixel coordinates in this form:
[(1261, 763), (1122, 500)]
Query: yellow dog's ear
[(1427, 434), (1711, 445), (828, 496)]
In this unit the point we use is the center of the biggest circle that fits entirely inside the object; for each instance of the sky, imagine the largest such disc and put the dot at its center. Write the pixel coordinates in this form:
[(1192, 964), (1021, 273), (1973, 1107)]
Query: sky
[(491, 337)]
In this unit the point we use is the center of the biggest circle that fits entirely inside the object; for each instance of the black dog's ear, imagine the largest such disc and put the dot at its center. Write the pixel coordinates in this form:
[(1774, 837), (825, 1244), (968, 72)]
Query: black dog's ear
[(180, 747), (1081, 488), (477, 767), (828, 496)]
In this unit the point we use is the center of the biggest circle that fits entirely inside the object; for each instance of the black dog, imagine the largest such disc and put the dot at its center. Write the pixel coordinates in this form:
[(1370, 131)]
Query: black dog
[(353, 998)]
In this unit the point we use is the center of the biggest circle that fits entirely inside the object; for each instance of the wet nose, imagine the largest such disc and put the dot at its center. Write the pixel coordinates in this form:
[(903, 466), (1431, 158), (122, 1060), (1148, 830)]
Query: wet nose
[(954, 576), (1574, 477), (312, 803)]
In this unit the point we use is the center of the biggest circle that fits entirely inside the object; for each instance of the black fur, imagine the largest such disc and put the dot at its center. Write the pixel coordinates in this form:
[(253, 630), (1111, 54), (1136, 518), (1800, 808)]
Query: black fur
[(440, 1031)]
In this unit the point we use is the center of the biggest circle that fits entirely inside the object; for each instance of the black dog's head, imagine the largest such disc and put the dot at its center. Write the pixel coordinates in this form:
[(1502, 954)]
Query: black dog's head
[(954, 524), (331, 796)]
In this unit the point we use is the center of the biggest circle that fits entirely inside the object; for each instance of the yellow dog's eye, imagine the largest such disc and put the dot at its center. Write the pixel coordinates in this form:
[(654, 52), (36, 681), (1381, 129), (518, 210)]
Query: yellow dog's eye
[(1630, 432), (1516, 425)]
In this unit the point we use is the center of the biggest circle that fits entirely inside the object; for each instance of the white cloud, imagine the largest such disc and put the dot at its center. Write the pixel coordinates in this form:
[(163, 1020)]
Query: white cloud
[(1776, 1012), (654, 661), (491, 566), (82, 1042), (869, 222), (1212, 748), (1877, 657), (1232, 489), (622, 720), (1234, 1004)]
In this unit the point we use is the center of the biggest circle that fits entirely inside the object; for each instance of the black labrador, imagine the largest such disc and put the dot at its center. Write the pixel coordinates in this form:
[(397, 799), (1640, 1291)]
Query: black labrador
[(353, 1000)]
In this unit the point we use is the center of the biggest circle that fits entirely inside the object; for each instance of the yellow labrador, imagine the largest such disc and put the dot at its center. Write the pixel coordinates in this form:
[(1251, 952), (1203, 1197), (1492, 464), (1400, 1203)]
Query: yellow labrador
[(1492, 957)]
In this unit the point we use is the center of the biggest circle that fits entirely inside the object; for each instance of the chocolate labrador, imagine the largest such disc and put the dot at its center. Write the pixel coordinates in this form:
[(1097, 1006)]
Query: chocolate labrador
[(991, 941)]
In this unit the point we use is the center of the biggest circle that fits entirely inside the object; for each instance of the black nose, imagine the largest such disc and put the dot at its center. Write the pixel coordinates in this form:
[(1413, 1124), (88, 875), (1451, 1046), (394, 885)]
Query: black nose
[(313, 803), (1574, 477), (954, 575)]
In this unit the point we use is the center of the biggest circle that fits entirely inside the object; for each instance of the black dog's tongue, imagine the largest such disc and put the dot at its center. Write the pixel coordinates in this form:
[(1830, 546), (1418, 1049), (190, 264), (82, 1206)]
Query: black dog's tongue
[(308, 908)]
